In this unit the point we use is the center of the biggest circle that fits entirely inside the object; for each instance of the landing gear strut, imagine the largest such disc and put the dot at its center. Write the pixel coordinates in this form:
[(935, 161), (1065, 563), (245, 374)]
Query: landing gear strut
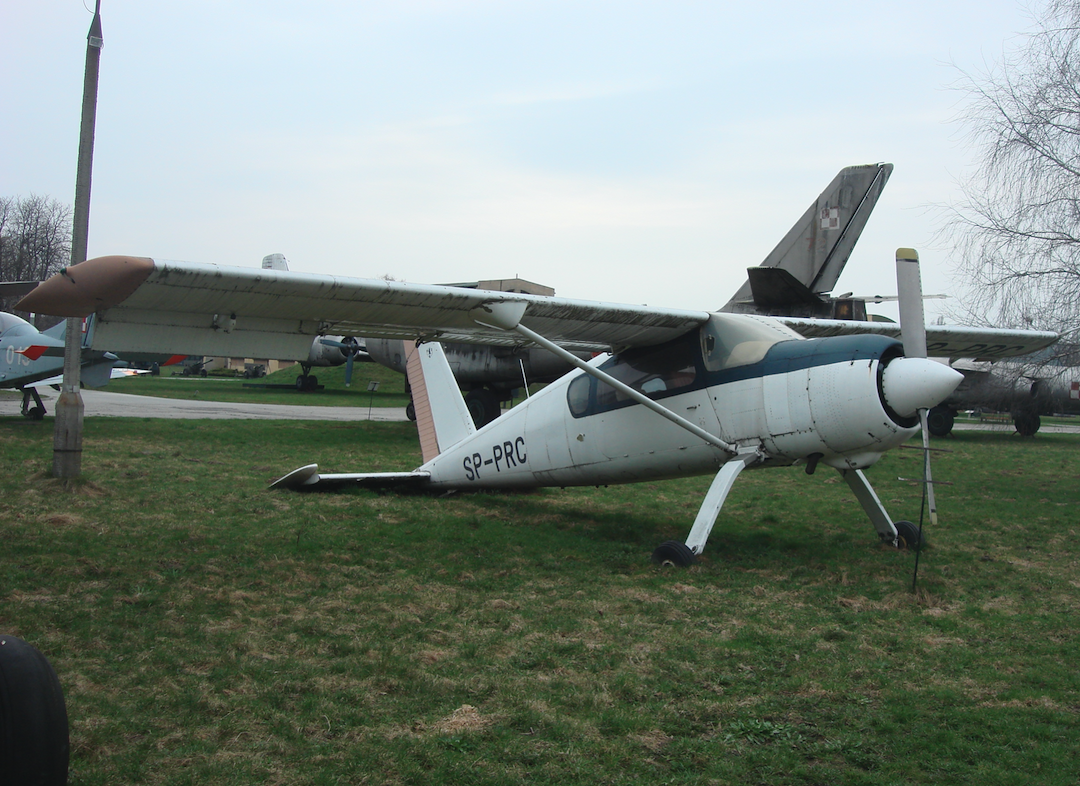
[(37, 412)]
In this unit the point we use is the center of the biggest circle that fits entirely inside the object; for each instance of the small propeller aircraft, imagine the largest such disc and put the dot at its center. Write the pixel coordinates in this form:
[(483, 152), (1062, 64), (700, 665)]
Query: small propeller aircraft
[(675, 392)]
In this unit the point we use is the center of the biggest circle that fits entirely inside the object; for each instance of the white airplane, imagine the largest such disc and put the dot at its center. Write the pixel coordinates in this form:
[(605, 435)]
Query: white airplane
[(676, 392)]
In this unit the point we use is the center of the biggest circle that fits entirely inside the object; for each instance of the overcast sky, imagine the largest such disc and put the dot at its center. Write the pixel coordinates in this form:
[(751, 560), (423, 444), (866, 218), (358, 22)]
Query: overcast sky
[(640, 152)]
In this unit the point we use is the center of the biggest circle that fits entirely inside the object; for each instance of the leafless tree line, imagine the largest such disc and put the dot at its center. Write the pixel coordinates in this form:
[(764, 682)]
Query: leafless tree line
[(35, 240), (1017, 230)]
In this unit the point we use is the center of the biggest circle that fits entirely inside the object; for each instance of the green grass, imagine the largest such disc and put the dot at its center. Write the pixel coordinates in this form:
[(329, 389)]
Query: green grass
[(391, 392), (207, 630)]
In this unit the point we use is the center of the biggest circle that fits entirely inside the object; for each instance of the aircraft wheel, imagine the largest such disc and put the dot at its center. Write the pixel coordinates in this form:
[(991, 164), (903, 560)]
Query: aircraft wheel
[(939, 421), (34, 742), (36, 413), (483, 406), (1027, 424), (674, 553), (410, 411), (907, 536)]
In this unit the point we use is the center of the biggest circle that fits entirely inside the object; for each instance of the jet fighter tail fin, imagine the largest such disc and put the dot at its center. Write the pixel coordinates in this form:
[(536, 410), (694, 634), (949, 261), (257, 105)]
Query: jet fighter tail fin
[(816, 248), (442, 419)]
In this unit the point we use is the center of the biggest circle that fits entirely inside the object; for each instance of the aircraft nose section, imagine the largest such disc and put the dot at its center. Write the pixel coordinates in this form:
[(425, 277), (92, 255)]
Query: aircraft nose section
[(911, 384)]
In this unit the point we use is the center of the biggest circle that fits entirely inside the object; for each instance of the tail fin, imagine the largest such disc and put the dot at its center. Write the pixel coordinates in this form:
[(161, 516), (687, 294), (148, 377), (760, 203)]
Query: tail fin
[(810, 258), (442, 418)]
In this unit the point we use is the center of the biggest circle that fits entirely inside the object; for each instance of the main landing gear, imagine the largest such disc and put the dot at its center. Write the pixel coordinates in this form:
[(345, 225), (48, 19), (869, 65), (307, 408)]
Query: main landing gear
[(901, 534), (36, 412), (307, 381)]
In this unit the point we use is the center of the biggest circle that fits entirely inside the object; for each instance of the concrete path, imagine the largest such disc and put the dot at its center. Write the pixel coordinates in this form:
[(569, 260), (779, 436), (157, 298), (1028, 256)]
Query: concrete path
[(100, 403)]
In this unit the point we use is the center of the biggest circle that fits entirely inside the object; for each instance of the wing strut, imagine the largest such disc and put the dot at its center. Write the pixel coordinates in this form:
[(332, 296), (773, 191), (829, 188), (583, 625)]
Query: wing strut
[(507, 316)]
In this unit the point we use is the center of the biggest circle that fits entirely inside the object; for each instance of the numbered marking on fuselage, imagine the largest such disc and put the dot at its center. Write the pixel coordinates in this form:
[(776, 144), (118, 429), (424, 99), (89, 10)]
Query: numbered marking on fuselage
[(500, 457)]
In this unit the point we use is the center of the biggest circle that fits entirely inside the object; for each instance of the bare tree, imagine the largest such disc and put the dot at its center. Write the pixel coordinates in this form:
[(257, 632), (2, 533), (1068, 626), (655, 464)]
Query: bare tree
[(35, 239), (1017, 230)]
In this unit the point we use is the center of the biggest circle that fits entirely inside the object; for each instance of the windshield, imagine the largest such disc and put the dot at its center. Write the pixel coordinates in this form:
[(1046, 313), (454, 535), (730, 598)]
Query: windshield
[(732, 340)]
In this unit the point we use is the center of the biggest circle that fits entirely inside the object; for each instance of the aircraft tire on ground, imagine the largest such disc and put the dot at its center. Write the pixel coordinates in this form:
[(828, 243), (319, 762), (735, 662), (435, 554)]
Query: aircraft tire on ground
[(939, 421), (34, 741), (36, 413), (1027, 424), (410, 411), (483, 405), (674, 553), (908, 537)]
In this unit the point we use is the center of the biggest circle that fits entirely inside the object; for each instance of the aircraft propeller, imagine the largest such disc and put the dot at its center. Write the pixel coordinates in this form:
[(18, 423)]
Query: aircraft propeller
[(349, 347), (913, 335)]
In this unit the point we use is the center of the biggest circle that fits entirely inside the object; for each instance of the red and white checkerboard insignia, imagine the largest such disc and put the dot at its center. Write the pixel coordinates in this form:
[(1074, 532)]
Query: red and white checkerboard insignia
[(830, 218)]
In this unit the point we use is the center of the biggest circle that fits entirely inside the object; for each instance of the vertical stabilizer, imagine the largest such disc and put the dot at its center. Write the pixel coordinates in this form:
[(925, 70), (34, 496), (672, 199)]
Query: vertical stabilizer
[(808, 261), (442, 419)]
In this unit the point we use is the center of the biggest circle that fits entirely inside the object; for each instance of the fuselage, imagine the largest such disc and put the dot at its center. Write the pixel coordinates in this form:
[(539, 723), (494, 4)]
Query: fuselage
[(749, 381)]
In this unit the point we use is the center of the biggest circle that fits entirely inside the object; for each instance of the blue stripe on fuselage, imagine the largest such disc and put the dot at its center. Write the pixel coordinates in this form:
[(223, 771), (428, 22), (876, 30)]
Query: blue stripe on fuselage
[(781, 358), (809, 353)]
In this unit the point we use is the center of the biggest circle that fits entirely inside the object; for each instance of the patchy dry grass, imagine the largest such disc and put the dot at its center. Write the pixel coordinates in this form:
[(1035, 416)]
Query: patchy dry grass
[(209, 631)]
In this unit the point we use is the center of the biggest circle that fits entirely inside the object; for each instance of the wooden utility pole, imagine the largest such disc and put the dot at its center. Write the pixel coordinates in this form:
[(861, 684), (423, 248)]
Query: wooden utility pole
[(67, 432)]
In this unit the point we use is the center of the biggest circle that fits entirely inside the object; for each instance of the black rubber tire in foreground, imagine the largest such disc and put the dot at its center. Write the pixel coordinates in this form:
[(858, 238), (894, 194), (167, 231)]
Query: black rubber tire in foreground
[(34, 744)]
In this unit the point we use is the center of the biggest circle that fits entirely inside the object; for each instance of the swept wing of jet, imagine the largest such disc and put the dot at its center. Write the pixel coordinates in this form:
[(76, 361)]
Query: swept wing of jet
[(675, 393)]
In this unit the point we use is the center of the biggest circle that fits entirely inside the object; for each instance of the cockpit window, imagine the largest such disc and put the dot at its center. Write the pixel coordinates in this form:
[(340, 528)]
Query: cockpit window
[(8, 321), (654, 371), (730, 341)]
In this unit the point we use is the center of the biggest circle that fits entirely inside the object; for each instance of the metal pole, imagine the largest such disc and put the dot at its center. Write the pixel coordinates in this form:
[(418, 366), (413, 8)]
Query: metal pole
[(67, 432)]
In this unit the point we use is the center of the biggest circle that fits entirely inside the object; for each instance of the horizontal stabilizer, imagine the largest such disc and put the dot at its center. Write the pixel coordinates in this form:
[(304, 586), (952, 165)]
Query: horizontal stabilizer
[(308, 479), (774, 287)]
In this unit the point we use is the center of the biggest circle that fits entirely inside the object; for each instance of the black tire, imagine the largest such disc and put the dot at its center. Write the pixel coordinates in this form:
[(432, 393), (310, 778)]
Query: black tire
[(1026, 424), (410, 411), (483, 405), (34, 743), (675, 553), (939, 421), (908, 537), (36, 413)]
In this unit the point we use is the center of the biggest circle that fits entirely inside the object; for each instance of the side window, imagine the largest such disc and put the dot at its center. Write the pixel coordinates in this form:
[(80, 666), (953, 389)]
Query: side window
[(655, 371), (577, 395)]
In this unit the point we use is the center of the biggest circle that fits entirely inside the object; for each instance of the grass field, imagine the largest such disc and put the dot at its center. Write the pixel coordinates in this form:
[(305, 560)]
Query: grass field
[(207, 630), (391, 392)]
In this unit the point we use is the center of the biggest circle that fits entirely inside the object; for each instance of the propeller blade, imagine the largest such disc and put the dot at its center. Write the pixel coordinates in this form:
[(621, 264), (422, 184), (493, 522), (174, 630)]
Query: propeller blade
[(913, 334), (910, 301), (348, 370)]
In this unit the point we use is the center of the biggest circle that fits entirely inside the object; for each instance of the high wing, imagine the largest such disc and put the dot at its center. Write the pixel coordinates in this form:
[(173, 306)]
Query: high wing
[(941, 340), (144, 305)]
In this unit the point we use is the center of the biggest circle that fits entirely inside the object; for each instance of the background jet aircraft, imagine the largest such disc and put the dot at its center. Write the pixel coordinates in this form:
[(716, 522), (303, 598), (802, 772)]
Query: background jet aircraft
[(28, 356)]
